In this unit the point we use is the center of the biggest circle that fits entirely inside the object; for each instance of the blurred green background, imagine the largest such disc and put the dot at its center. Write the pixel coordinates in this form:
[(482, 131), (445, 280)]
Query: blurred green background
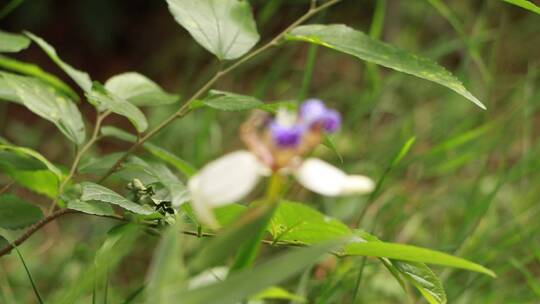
[(469, 186)]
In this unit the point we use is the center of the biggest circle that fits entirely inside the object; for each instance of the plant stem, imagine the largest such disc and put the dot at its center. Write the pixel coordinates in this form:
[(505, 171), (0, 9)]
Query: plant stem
[(9, 8), (37, 226), (6, 187), (34, 287), (185, 109), (248, 252), (95, 136), (44, 221)]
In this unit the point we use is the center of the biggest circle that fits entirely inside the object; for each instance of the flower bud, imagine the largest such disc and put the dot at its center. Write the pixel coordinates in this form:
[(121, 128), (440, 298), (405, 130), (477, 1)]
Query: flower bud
[(312, 111), (331, 121)]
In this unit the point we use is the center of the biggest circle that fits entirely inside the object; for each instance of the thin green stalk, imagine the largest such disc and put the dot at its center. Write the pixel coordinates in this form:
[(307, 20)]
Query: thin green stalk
[(378, 186), (358, 279), (44, 221), (10, 7), (456, 24), (185, 108), (94, 287), (372, 70), (134, 295), (34, 287), (59, 213), (73, 170), (6, 187), (248, 252), (308, 71), (106, 289), (30, 69)]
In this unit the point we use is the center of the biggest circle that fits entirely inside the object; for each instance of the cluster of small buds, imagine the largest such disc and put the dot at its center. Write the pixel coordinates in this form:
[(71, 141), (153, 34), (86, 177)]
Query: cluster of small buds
[(279, 142), (313, 117)]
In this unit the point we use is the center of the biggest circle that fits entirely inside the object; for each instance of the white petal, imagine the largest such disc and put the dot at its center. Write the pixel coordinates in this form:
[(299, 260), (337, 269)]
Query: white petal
[(202, 210), (357, 184), (323, 178), (208, 277), (221, 182), (227, 179)]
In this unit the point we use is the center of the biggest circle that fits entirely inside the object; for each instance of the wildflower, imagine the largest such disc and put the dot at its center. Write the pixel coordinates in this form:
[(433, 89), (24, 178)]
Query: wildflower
[(275, 146)]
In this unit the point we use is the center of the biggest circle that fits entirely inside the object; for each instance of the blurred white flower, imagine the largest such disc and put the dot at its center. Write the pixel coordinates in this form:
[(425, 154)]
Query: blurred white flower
[(275, 145), (230, 178)]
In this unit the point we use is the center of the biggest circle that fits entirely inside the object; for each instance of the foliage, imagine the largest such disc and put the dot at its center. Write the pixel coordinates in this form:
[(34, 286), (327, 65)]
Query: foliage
[(451, 189)]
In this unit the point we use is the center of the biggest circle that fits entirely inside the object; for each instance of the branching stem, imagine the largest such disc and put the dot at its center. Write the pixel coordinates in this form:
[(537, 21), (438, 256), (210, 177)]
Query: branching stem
[(185, 108), (182, 111), (73, 170), (6, 187)]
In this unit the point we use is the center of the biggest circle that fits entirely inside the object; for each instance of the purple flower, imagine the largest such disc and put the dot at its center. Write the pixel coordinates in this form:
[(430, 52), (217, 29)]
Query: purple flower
[(312, 111), (286, 136), (331, 121)]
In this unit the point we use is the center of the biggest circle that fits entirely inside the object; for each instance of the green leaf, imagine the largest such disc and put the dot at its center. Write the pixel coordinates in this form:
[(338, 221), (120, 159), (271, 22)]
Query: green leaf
[(91, 207), (418, 274), (139, 90), (245, 283), (42, 182), (177, 191), (101, 164), (30, 169), (16, 213), (225, 215), (12, 43), (7, 93), (102, 99), (393, 164), (528, 5), (3, 242), (151, 173), (403, 152), (44, 101), (273, 107), (71, 199), (181, 165), (29, 275), (135, 167), (227, 101), (423, 279), (329, 143), (95, 192), (119, 243), (413, 254), (278, 293), (35, 71), (298, 223), (167, 266), (19, 161), (347, 40), (216, 250), (223, 27), (81, 78), (26, 159), (248, 251), (118, 133)]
